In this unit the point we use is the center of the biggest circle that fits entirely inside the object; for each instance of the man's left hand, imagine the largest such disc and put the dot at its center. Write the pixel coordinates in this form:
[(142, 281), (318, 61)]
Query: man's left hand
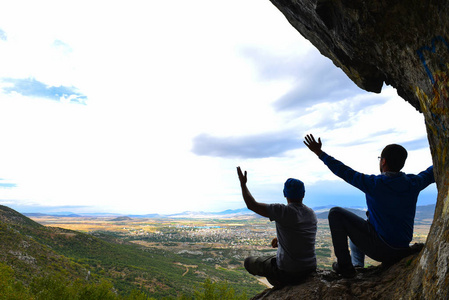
[(242, 177)]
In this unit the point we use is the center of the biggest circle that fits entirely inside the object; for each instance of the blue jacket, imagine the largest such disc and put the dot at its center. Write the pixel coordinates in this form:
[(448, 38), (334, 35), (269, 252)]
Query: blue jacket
[(391, 199)]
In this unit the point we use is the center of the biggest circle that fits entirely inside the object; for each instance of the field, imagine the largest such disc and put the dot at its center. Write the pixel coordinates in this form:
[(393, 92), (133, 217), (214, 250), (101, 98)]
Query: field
[(223, 243), (169, 257)]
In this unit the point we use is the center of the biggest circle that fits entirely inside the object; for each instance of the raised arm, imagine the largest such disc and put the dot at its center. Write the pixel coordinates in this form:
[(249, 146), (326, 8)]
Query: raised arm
[(251, 203), (313, 145), (357, 179)]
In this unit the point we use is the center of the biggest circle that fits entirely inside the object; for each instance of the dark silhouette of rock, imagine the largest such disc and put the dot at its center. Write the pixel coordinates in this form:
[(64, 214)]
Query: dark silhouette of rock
[(377, 282), (405, 44)]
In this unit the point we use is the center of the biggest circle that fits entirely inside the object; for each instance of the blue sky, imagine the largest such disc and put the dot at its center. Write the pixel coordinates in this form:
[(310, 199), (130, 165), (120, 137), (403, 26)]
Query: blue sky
[(140, 108)]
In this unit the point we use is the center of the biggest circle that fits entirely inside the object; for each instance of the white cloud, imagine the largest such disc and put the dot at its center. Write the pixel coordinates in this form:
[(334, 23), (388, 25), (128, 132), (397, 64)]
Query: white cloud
[(158, 74)]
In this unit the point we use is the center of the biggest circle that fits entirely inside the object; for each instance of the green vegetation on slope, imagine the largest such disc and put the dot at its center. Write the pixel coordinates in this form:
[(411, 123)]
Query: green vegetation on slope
[(45, 256), (60, 288)]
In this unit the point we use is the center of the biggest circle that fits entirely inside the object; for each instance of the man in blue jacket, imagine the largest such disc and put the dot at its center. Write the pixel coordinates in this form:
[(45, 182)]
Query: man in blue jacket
[(391, 200)]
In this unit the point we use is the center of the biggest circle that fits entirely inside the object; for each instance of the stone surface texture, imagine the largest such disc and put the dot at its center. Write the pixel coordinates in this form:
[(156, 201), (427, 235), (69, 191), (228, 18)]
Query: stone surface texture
[(370, 283), (405, 44)]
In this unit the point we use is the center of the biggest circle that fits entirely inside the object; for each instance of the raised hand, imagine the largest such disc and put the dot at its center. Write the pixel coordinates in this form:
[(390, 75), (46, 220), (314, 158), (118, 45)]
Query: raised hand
[(312, 144), (242, 177)]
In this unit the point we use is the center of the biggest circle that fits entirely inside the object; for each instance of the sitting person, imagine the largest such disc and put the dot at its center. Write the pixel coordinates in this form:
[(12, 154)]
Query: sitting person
[(296, 227), (391, 200)]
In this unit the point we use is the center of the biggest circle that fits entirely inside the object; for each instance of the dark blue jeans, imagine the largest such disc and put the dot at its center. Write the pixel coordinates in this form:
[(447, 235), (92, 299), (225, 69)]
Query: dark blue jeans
[(357, 255), (344, 224)]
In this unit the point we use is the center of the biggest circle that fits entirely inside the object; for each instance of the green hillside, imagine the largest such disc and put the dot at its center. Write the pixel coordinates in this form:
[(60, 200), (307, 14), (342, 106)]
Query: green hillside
[(21, 249), (35, 252)]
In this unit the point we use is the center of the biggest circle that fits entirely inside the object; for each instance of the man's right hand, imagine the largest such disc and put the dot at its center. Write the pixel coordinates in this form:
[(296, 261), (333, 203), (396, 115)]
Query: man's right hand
[(313, 145)]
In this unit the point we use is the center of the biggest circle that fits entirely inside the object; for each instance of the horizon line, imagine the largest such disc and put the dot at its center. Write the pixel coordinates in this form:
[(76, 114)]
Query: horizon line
[(242, 210)]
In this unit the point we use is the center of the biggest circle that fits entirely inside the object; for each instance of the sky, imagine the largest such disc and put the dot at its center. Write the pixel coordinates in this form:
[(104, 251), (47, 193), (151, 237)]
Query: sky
[(139, 107)]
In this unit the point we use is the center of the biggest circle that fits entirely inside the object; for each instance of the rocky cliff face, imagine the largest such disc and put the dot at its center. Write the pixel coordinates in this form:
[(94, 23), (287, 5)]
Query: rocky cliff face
[(404, 43), (371, 283)]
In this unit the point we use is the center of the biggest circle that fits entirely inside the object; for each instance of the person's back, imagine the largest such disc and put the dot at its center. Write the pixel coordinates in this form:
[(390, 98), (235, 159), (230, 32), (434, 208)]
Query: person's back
[(392, 205), (296, 230), (391, 199), (296, 226)]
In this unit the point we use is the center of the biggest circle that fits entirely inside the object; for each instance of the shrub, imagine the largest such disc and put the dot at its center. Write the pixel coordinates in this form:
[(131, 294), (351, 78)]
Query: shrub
[(217, 291), (9, 288)]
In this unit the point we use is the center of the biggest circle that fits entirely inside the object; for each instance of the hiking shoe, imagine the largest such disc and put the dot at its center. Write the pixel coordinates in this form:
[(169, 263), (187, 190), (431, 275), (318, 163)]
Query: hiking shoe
[(348, 272)]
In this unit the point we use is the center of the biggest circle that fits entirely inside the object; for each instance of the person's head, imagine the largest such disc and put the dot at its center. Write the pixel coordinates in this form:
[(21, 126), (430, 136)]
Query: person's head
[(294, 190), (392, 158)]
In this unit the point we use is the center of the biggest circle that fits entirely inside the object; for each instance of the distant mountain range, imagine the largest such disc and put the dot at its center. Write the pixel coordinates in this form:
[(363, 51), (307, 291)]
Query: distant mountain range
[(422, 213), (186, 214)]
